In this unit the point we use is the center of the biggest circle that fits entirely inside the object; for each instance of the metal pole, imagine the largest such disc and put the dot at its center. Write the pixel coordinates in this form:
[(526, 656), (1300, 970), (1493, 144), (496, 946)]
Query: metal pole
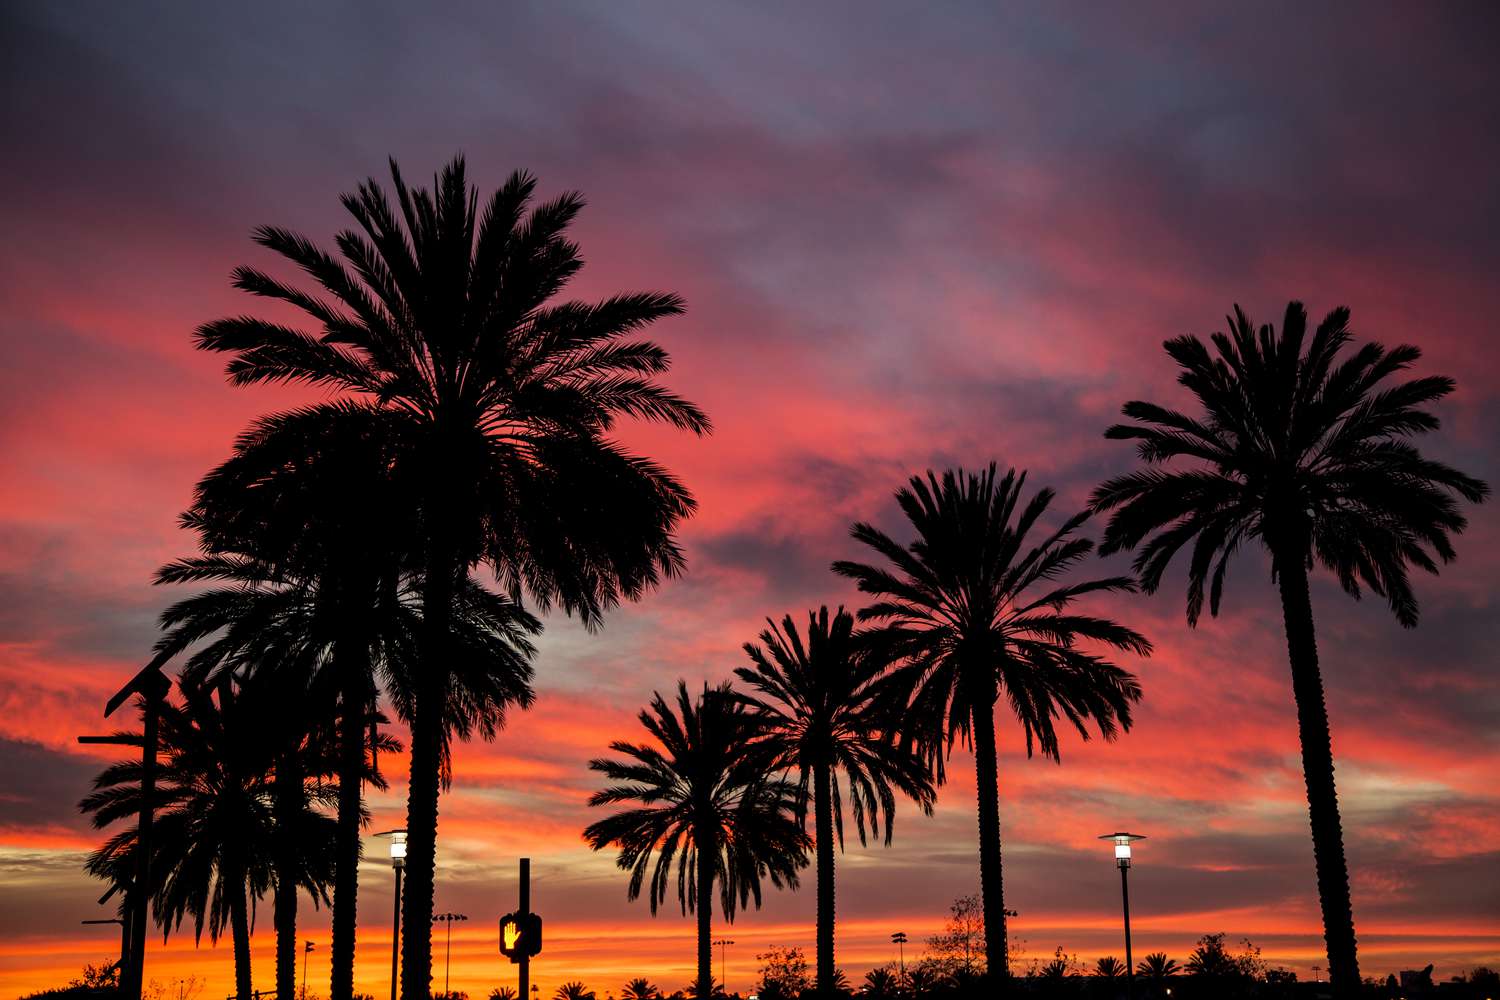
[(1129, 958), (525, 909), (396, 936), (448, 961), (140, 893)]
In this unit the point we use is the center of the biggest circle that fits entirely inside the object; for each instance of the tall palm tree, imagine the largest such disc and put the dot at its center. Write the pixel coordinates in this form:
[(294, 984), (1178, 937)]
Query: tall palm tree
[(214, 834), (440, 325), (289, 635), (968, 612), (824, 715), (705, 799), (1306, 454), (305, 533), (304, 772)]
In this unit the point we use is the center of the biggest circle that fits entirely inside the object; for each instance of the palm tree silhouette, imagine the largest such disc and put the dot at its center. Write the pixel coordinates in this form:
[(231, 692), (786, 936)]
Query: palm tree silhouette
[(1109, 967), (214, 835), (823, 714), (316, 606), (968, 612), (573, 990), (1156, 968), (443, 333), (304, 782), (1305, 454), (301, 530), (881, 983), (305, 529), (640, 989), (703, 799)]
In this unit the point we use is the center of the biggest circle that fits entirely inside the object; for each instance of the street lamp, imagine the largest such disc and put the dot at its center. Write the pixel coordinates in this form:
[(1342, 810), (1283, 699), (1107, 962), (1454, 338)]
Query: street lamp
[(447, 918), (398, 862), (1122, 858), (899, 940), (723, 944)]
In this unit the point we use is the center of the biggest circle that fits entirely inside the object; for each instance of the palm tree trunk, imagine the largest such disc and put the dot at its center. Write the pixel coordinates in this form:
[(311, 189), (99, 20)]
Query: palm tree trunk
[(426, 764), (288, 793), (1317, 771), (347, 848), (823, 815), (705, 879), (987, 785), (239, 925)]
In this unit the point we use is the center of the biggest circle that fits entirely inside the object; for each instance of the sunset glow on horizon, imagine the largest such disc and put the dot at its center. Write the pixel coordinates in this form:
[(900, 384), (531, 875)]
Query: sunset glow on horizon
[(909, 238)]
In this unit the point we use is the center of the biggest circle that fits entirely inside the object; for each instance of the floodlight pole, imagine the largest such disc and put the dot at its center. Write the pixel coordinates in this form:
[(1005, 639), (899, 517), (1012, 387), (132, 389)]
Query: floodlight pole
[(724, 944)]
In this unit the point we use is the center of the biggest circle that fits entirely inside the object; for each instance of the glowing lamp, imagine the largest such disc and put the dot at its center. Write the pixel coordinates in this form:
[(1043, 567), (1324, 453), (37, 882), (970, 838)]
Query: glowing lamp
[(1122, 846), (398, 849)]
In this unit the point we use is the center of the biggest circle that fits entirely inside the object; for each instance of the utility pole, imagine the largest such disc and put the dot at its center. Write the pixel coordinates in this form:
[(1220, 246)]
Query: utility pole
[(152, 685)]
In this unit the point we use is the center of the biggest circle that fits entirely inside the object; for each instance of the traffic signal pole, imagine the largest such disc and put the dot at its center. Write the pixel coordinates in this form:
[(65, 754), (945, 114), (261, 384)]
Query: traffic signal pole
[(525, 908)]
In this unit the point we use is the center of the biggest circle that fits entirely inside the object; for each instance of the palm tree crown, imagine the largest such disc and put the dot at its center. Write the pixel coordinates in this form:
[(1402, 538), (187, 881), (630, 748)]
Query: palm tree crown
[(640, 988), (822, 707), (968, 611), (441, 320), (1156, 966), (705, 804), (1298, 450)]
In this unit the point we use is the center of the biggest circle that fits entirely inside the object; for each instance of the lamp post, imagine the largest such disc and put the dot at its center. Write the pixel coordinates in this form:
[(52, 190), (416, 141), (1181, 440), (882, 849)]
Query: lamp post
[(1122, 859), (398, 862), (448, 918), (723, 944), (307, 946), (899, 940)]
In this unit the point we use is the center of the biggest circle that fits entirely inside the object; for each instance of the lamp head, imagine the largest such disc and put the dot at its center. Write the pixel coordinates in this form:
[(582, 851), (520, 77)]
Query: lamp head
[(1122, 846), (398, 847)]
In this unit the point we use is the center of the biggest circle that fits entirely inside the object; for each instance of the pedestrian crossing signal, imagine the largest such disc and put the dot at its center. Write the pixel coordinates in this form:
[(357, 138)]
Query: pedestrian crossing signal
[(520, 935)]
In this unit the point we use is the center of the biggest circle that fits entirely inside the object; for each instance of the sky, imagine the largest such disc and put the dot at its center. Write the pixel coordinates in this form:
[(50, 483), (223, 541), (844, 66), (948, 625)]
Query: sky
[(909, 236)]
